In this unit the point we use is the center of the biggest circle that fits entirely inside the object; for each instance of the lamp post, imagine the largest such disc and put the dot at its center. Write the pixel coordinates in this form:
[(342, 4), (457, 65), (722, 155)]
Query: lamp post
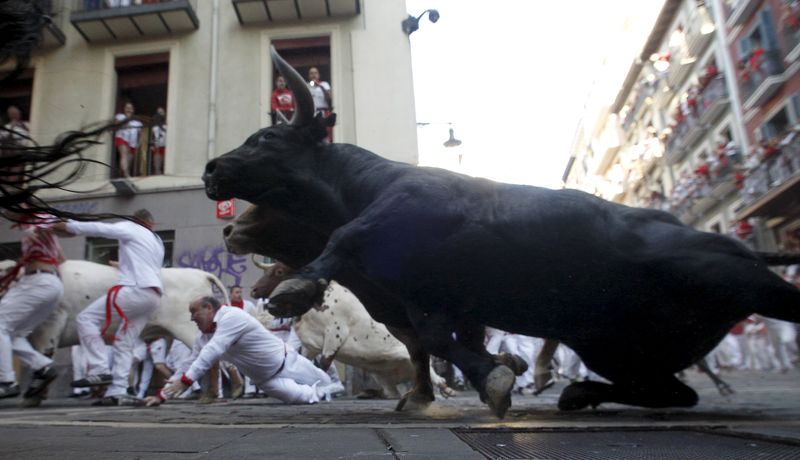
[(411, 24), (451, 141)]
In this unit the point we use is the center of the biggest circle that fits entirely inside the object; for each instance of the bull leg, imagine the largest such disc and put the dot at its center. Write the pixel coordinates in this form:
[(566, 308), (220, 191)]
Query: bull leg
[(472, 336), (493, 382), (421, 394), (656, 391), (722, 386)]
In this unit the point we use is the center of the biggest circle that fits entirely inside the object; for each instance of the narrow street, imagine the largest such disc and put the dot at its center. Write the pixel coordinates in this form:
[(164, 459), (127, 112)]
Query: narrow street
[(762, 420)]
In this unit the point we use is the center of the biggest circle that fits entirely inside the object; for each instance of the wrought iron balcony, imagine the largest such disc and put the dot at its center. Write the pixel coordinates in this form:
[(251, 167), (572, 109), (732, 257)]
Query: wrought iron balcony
[(269, 11), (685, 135), (772, 174), (713, 100), (149, 19), (759, 83), (742, 11)]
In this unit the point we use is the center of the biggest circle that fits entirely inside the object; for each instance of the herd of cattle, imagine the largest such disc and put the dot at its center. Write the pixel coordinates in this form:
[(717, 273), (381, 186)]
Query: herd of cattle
[(435, 257)]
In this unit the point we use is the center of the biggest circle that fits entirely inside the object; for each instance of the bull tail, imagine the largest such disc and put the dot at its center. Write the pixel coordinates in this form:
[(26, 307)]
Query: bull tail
[(782, 303), (776, 258), (216, 282)]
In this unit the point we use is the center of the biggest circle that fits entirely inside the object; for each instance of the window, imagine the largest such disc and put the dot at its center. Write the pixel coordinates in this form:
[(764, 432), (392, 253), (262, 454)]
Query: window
[(775, 125), (142, 82), (103, 250), (305, 54)]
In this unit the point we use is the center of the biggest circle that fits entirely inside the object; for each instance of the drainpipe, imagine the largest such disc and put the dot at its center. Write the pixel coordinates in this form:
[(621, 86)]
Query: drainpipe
[(212, 85), (729, 68)]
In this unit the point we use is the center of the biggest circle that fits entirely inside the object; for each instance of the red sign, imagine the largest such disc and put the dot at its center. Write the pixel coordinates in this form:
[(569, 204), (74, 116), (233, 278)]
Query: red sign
[(226, 209)]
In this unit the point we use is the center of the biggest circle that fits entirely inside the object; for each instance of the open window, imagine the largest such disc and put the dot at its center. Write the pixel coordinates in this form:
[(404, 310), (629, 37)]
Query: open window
[(142, 83), (103, 250), (304, 54), (15, 110)]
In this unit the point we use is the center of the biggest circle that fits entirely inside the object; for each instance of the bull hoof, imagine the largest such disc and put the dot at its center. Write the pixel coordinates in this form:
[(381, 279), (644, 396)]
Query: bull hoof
[(33, 401), (415, 400), (513, 362), (579, 396), (497, 388)]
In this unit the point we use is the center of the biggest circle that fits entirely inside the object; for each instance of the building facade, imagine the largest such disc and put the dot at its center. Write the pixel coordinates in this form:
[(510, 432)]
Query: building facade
[(704, 123), (206, 66)]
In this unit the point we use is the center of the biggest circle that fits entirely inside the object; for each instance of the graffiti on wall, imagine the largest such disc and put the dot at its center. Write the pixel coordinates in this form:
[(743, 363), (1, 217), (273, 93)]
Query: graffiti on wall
[(228, 267)]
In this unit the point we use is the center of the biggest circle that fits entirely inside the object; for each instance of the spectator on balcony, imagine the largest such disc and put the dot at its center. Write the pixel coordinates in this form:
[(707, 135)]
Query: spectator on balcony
[(90, 5), (790, 15), (119, 3), (708, 76), (126, 138), (321, 94), (159, 136), (757, 57), (282, 102)]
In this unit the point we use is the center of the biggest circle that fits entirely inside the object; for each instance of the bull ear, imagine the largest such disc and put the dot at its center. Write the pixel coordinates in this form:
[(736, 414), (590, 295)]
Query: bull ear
[(304, 104)]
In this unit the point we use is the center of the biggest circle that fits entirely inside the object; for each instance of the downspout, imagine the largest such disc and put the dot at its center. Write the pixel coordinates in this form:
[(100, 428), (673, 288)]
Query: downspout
[(212, 85), (730, 75)]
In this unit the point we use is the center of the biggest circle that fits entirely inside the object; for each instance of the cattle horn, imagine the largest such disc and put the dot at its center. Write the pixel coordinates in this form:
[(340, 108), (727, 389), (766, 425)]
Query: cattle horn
[(260, 265), (304, 104)]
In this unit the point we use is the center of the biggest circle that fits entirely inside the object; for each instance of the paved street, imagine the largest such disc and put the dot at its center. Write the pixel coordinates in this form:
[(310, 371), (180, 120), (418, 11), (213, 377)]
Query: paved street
[(762, 420)]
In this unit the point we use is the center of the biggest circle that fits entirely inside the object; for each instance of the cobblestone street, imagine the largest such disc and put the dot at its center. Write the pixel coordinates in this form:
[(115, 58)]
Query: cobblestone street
[(765, 411)]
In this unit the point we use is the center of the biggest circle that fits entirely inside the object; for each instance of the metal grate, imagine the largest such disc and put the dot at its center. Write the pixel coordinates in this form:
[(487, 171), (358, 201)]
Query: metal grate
[(622, 445)]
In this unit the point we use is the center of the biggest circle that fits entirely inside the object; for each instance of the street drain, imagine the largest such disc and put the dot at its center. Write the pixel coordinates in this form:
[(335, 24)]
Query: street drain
[(621, 445)]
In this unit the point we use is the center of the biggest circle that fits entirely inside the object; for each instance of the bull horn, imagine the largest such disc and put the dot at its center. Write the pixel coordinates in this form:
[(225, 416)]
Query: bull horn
[(304, 104), (260, 265)]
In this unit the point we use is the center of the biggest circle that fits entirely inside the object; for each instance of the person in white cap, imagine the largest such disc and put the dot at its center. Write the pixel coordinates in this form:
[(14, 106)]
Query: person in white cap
[(134, 299), (230, 334)]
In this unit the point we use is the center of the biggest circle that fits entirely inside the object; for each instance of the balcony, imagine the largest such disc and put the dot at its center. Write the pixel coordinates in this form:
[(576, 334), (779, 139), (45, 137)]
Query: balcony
[(700, 34), (695, 195), (761, 80), (791, 43), (679, 69), (712, 101), (742, 11), (157, 18), (772, 183), (52, 33), (645, 91), (268, 11), (685, 135)]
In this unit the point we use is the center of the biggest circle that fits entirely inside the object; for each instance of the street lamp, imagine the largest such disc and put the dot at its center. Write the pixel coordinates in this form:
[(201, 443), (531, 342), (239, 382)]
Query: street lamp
[(411, 24), (452, 142)]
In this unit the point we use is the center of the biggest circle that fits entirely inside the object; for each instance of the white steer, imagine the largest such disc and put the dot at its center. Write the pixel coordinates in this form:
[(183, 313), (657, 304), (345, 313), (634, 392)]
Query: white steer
[(86, 281), (342, 329)]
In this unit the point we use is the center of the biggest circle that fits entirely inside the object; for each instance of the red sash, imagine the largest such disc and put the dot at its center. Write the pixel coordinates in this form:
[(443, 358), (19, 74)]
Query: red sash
[(111, 302)]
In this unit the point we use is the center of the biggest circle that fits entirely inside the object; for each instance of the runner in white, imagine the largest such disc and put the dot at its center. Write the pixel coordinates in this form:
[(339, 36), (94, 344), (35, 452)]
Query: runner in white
[(28, 302), (134, 299), (230, 334)]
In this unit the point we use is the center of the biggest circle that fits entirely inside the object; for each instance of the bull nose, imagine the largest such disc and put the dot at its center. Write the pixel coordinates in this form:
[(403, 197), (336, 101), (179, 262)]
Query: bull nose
[(211, 166), (226, 232)]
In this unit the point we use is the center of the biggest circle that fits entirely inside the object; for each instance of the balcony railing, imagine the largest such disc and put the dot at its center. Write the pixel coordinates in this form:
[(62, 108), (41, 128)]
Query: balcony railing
[(695, 195), (713, 100), (760, 80), (771, 173), (791, 43), (676, 142), (645, 91), (113, 20), (742, 11), (269, 11)]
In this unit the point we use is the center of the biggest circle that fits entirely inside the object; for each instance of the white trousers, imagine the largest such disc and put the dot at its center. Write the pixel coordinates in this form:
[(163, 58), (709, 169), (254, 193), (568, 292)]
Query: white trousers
[(138, 304), (26, 305), (293, 384)]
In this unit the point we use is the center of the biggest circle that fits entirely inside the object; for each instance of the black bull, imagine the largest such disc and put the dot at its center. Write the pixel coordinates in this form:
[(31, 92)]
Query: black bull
[(638, 295)]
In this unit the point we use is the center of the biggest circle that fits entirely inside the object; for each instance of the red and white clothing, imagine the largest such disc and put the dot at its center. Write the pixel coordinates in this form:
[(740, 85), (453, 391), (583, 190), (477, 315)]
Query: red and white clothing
[(283, 100), (159, 133), (240, 339), (133, 300), (318, 90), (128, 134), (30, 300), (246, 305)]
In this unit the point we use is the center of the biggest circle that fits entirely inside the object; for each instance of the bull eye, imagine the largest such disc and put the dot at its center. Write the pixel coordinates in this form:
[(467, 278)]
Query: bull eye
[(279, 272)]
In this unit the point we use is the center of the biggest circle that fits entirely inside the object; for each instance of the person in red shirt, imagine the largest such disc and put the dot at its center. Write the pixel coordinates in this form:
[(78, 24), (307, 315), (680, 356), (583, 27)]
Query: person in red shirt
[(282, 102)]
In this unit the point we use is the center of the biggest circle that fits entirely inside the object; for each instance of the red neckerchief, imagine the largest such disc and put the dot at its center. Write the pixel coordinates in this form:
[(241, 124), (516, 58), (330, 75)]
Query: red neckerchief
[(238, 303), (211, 329)]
